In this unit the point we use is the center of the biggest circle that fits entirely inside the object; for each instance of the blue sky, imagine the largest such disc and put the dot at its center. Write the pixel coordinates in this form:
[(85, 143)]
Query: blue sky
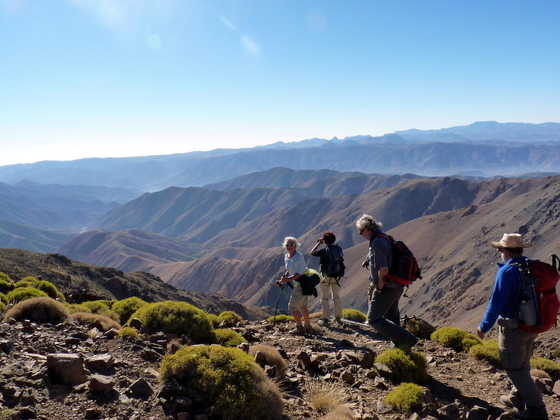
[(83, 78)]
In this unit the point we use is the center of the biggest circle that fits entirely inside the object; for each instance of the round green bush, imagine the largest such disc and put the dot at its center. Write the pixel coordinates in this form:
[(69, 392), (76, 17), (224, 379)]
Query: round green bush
[(39, 309), (101, 322), (225, 382), (354, 315), (126, 307), (488, 351), (50, 289), (100, 307), (455, 338), (280, 318), (6, 283), (21, 293), (549, 366), (28, 281), (404, 367), (406, 397), (176, 317), (2, 307), (128, 333), (228, 338), (76, 307), (3, 298), (214, 320), (229, 319)]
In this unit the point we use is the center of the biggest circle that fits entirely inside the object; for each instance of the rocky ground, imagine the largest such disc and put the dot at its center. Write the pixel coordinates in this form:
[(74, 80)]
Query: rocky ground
[(70, 372)]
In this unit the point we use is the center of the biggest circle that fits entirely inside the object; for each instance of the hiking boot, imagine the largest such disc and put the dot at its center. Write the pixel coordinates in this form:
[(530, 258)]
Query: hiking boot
[(513, 400), (533, 413)]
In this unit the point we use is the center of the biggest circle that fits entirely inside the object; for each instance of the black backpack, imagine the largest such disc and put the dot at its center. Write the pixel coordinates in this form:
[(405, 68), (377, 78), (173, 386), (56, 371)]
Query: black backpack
[(309, 280), (335, 262)]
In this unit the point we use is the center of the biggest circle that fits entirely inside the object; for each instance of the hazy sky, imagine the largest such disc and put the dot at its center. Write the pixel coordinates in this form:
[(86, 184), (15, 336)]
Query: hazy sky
[(83, 78)]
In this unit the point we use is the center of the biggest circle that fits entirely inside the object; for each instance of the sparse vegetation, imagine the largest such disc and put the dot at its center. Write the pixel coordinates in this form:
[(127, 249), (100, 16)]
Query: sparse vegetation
[(404, 367), (354, 315), (8, 414), (22, 293), (487, 351), (280, 318), (228, 319), (128, 333), (549, 366), (272, 357), (325, 397), (228, 338), (126, 307), (101, 322), (406, 397), (3, 298), (2, 307), (455, 338), (177, 318), (224, 381), (40, 309)]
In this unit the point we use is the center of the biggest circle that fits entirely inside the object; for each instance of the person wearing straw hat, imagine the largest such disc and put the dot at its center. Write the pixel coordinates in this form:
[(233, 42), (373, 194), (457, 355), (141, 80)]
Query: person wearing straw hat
[(516, 345)]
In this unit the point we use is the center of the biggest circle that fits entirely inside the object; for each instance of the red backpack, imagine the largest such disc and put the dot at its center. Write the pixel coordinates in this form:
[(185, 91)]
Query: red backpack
[(404, 267), (546, 276)]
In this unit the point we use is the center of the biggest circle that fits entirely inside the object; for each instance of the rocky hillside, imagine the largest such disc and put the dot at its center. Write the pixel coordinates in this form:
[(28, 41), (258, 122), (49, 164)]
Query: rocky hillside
[(76, 372), (79, 281)]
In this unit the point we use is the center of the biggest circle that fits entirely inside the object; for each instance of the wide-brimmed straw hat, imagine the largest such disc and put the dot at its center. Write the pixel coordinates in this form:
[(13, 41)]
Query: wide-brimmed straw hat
[(511, 240)]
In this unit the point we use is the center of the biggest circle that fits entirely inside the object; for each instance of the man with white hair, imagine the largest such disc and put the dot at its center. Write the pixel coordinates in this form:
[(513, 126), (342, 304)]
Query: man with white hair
[(516, 344), (383, 297), (294, 268)]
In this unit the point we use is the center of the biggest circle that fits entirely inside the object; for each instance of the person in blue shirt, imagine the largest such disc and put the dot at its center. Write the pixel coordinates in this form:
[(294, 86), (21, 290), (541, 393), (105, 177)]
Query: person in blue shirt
[(516, 345)]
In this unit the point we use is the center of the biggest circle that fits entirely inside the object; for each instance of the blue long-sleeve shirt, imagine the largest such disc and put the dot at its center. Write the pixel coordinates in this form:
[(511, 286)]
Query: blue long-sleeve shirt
[(504, 301)]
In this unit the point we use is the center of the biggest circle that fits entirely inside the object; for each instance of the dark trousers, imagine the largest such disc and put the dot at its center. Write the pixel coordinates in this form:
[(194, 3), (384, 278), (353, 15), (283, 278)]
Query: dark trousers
[(516, 349), (384, 316)]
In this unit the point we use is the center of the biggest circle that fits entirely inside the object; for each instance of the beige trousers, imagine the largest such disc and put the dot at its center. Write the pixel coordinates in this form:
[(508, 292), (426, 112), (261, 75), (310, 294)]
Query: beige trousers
[(330, 289)]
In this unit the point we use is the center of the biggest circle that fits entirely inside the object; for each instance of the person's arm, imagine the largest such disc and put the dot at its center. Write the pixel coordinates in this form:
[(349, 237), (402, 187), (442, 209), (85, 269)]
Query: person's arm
[(312, 252), (505, 290), (381, 250)]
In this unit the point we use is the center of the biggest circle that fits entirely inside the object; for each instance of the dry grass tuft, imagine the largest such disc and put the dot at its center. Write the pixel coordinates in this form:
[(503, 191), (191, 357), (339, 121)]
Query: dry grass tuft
[(272, 357), (325, 397), (39, 309), (100, 322), (342, 412)]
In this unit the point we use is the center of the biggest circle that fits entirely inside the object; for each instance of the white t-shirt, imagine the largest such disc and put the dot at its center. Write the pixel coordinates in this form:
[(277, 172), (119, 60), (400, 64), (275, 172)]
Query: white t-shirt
[(294, 265)]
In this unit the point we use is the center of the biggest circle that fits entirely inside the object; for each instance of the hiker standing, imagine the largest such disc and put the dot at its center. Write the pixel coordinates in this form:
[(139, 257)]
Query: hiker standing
[(295, 267), (332, 267), (383, 296), (516, 344)]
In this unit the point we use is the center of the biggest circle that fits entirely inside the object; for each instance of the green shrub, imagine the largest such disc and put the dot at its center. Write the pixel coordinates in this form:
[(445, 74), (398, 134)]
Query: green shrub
[(455, 338), (3, 298), (549, 366), (126, 307), (101, 322), (176, 318), (50, 289), (555, 354), (214, 320), (487, 351), (224, 381), (128, 333), (228, 338), (354, 315), (28, 281), (100, 307), (21, 293), (406, 397), (404, 367), (40, 309), (228, 319), (76, 307), (2, 307), (280, 318), (418, 327), (6, 283)]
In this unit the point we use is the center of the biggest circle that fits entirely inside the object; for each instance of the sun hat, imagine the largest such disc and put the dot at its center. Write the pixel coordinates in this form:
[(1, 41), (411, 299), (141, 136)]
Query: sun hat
[(511, 240)]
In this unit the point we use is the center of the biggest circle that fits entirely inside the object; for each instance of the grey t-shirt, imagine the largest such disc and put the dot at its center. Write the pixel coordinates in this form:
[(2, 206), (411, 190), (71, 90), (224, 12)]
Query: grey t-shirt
[(379, 255)]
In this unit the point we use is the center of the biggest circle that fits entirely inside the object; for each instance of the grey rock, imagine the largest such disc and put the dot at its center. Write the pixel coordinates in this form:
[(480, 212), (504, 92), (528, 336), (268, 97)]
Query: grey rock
[(93, 414), (100, 362), (140, 389), (100, 383), (477, 413), (66, 368)]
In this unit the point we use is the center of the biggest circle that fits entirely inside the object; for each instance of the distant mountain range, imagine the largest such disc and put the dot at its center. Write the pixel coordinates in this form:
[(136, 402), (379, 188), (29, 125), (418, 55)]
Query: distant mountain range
[(484, 148)]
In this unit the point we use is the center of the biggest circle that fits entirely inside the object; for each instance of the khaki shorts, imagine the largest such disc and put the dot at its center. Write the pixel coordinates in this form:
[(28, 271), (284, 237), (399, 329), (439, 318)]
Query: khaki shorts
[(298, 302)]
